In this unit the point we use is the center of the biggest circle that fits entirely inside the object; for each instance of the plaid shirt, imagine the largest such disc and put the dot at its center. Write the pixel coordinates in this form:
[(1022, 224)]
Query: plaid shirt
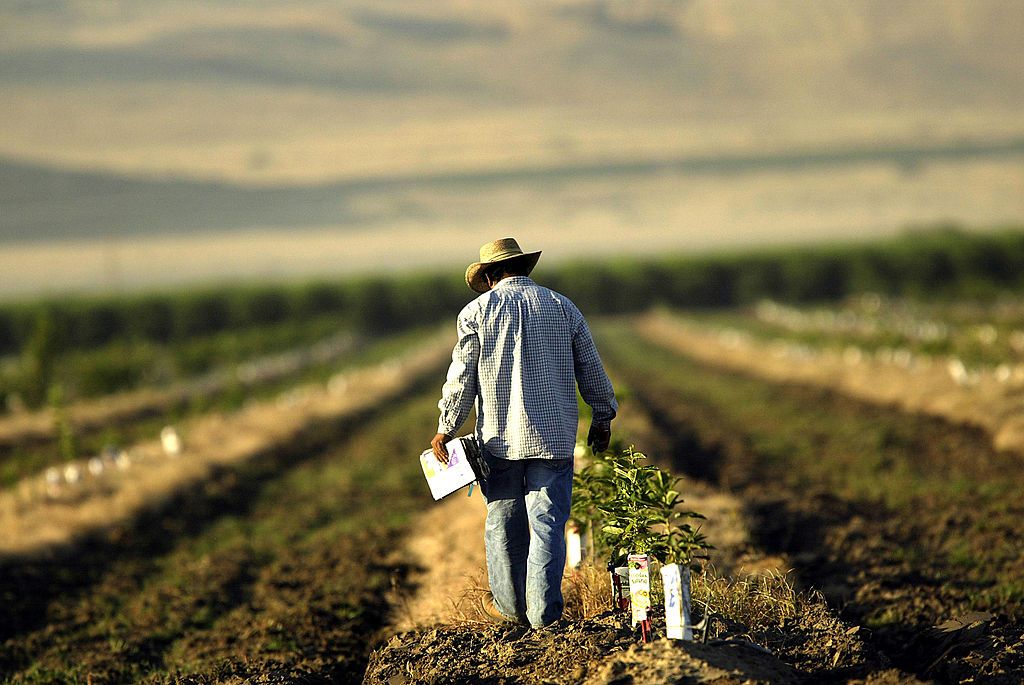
[(521, 352)]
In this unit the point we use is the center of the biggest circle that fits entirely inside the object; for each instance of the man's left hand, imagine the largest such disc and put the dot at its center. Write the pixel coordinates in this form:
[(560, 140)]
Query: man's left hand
[(440, 451), (599, 437)]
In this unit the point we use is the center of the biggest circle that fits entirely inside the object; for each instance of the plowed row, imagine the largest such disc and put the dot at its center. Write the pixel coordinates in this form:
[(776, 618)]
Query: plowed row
[(277, 569), (904, 522)]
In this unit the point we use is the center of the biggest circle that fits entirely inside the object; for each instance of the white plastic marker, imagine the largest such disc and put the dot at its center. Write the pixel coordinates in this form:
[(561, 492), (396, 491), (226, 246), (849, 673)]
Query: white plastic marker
[(678, 622), (573, 546), (170, 441), (640, 592), (53, 478), (72, 474), (96, 466)]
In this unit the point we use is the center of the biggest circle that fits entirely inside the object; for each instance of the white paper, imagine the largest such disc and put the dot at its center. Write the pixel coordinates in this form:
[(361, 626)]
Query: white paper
[(444, 479)]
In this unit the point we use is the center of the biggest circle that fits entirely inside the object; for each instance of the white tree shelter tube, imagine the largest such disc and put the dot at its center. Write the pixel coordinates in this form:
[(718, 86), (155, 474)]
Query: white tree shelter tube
[(678, 621), (573, 546)]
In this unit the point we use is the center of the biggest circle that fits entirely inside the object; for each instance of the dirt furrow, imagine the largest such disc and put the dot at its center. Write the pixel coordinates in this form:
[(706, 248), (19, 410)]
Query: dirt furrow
[(275, 570), (32, 523), (926, 388), (896, 563)]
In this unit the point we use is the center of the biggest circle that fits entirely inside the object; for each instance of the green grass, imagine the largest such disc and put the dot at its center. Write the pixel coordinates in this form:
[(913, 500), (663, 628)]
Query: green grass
[(800, 441), (128, 364), (962, 319), (25, 460)]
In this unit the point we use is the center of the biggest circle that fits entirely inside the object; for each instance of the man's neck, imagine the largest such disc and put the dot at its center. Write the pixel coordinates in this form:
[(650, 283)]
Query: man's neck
[(507, 277)]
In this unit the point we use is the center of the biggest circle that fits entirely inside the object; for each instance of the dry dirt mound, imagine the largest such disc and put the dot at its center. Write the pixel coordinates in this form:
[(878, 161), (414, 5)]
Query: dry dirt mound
[(686, 662), (440, 642), (595, 651), (446, 551), (814, 647)]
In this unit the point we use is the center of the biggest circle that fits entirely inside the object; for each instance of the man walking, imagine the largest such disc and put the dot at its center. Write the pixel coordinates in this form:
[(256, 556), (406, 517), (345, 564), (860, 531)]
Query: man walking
[(522, 351)]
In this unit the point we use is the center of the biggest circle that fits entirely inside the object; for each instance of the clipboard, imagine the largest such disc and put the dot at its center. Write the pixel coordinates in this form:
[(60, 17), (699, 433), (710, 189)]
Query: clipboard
[(465, 466)]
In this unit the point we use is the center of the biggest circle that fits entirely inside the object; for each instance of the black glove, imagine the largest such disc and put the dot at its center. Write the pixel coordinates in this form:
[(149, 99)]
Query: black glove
[(599, 436)]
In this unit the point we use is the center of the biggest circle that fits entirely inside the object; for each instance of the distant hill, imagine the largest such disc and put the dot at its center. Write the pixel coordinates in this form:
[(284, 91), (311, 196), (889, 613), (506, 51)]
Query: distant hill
[(44, 204), (316, 89), (717, 54), (146, 117)]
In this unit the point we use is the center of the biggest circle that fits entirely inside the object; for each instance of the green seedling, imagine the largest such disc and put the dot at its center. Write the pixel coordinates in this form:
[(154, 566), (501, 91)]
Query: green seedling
[(633, 507)]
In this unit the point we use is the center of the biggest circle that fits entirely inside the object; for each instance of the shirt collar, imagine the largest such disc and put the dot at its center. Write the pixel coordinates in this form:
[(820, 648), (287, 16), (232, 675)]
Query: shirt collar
[(514, 280)]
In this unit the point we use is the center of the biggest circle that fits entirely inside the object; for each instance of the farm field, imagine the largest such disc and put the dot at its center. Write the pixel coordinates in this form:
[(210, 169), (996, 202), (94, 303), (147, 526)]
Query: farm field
[(33, 440), (286, 551), (900, 519), (232, 243)]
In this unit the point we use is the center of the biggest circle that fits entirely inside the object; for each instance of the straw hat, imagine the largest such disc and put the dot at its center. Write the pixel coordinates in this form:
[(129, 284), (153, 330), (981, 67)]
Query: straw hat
[(499, 251)]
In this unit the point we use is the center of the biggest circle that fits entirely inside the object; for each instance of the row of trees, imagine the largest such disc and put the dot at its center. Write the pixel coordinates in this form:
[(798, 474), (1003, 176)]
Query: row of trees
[(933, 263), (936, 263), (372, 304)]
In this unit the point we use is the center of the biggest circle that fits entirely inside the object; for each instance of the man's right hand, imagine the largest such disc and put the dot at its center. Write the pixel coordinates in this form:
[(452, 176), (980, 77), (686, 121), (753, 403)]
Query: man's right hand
[(599, 437), (440, 451)]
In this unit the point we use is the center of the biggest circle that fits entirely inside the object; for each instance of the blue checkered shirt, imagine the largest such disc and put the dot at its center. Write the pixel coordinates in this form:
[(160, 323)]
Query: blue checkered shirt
[(522, 350)]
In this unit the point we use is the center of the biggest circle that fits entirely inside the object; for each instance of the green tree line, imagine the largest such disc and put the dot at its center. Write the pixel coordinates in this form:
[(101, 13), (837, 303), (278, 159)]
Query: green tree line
[(938, 262), (376, 305)]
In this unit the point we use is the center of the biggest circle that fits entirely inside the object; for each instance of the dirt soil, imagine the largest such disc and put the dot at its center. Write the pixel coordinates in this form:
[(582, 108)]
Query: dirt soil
[(813, 647), (437, 635), (924, 388), (445, 551), (920, 582), (597, 651)]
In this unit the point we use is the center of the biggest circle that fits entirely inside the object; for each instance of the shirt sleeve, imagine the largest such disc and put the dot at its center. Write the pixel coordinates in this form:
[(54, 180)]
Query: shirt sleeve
[(459, 391), (594, 384)]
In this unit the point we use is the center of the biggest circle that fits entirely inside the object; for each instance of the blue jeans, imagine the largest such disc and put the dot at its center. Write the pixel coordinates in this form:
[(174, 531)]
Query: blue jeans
[(524, 538)]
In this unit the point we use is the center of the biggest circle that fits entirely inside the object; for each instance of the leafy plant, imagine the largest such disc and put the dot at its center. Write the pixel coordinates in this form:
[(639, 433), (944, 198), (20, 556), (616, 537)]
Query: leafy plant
[(65, 431), (40, 354), (632, 507)]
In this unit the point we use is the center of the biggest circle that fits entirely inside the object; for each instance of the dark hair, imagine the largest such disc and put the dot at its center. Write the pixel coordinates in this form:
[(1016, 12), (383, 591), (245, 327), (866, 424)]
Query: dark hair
[(517, 266)]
